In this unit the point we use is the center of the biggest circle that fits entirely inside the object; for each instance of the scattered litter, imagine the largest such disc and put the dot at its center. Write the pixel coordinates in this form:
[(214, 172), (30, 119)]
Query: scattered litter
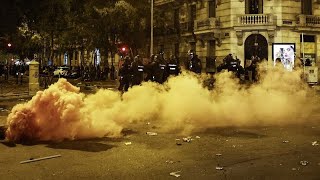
[(318, 164), (169, 161), (280, 164), (198, 137), (187, 139), (176, 174), (152, 133), (148, 123), (227, 140), (178, 142), (127, 143), (313, 127), (219, 168), (315, 143), (218, 154), (294, 169), (304, 163), (40, 159), (285, 141)]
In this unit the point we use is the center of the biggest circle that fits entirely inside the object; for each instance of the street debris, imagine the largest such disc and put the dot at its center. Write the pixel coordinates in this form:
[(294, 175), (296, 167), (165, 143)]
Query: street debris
[(285, 141), (40, 159), (219, 168), (152, 133), (178, 142), (294, 169), (198, 137), (127, 143), (304, 163), (187, 139), (318, 164), (176, 174), (218, 154), (148, 123), (315, 143), (171, 162)]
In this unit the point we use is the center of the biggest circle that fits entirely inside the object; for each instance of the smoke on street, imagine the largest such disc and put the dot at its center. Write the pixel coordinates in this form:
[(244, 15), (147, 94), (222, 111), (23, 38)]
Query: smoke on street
[(181, 105)]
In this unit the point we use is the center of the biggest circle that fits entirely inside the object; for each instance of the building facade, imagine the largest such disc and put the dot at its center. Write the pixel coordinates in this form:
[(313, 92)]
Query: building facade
[(244, 28)]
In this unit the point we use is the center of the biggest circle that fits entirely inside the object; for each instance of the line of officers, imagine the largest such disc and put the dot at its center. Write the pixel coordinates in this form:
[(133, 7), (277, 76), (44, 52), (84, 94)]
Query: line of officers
[(134, 72)]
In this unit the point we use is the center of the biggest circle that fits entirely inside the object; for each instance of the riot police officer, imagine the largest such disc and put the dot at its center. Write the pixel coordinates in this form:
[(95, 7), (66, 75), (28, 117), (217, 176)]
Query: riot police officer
[(148, 68), (137, 69), (125, 75), (173, 66), (195, 64), (159, 69)]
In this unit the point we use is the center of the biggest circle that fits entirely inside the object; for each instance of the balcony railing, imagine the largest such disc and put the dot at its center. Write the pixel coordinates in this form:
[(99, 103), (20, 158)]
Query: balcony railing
[(162, 2), (209, 23), (308, 20), (255, 19), (186, 27), (167, 30)]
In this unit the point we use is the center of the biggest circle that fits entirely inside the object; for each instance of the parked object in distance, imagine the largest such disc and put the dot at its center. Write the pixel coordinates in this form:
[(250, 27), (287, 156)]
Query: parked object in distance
[(61, 71)]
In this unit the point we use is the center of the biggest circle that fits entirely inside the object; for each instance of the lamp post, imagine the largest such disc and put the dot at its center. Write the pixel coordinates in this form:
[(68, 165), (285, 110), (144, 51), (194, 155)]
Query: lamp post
[(151, 38)]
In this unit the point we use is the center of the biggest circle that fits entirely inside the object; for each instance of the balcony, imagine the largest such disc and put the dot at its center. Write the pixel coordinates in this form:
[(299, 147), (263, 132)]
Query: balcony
[(162, 2), (255, 21), (207, 24), (165, 31), (308, 21), (187, 27)]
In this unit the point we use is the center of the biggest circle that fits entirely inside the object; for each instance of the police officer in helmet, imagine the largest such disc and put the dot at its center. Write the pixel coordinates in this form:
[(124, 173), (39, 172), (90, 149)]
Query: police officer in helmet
[(137, 69), (195, 64), (125, 75)]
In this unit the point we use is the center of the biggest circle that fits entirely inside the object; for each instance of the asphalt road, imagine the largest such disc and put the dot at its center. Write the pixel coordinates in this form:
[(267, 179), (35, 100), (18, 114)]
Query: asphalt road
[(242, 153)]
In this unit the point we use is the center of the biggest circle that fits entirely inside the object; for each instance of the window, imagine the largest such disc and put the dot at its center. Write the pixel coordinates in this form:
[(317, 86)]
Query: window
[(254, 6), (176, 18), (211, 48), (193, 16), (212, 8), (306, 7), (193, 46), (176, 49)]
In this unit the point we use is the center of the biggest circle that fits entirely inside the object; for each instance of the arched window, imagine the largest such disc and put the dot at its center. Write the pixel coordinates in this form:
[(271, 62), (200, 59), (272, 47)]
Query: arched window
[(254, 6)]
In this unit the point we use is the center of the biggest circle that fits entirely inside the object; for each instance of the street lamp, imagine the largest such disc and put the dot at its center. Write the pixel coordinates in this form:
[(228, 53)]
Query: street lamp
[(9, 44), (151, 38)]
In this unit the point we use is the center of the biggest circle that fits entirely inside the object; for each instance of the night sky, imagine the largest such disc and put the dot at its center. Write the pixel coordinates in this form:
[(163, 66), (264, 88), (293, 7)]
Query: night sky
[(8, 16)]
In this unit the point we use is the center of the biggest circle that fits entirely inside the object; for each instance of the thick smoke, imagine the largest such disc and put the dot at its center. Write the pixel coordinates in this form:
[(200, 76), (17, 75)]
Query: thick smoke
[(181, 105)]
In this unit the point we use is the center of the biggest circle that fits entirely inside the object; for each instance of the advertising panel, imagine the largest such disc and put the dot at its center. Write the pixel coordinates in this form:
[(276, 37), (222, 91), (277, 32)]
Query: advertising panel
[(284, 53)]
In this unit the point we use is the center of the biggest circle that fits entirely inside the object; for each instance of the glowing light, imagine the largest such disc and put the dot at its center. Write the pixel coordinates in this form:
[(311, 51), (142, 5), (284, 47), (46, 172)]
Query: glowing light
[(9, 44)]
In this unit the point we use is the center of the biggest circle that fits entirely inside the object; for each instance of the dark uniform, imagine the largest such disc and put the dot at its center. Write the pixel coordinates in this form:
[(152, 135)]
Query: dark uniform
[(195, 64), (148, 69), (159, 69), (231, 64), (173, 66), (125, 75), (137, 69)]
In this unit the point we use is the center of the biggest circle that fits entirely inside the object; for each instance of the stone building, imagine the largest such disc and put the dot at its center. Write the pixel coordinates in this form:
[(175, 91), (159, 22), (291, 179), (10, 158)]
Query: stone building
[(215, 28)]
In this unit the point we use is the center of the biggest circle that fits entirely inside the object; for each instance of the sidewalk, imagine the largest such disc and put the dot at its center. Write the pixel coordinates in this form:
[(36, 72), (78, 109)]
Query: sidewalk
[(9, 90)]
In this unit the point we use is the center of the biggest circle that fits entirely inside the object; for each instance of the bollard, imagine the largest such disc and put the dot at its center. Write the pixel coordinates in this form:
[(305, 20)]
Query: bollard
[(33, 77)]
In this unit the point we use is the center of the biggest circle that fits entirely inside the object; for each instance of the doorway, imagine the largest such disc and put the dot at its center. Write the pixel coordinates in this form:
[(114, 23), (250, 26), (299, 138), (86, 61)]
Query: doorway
[(256, 45)]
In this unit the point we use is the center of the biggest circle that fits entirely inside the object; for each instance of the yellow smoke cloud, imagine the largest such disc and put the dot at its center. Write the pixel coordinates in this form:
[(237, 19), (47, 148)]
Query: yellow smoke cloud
[(181, 105)]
